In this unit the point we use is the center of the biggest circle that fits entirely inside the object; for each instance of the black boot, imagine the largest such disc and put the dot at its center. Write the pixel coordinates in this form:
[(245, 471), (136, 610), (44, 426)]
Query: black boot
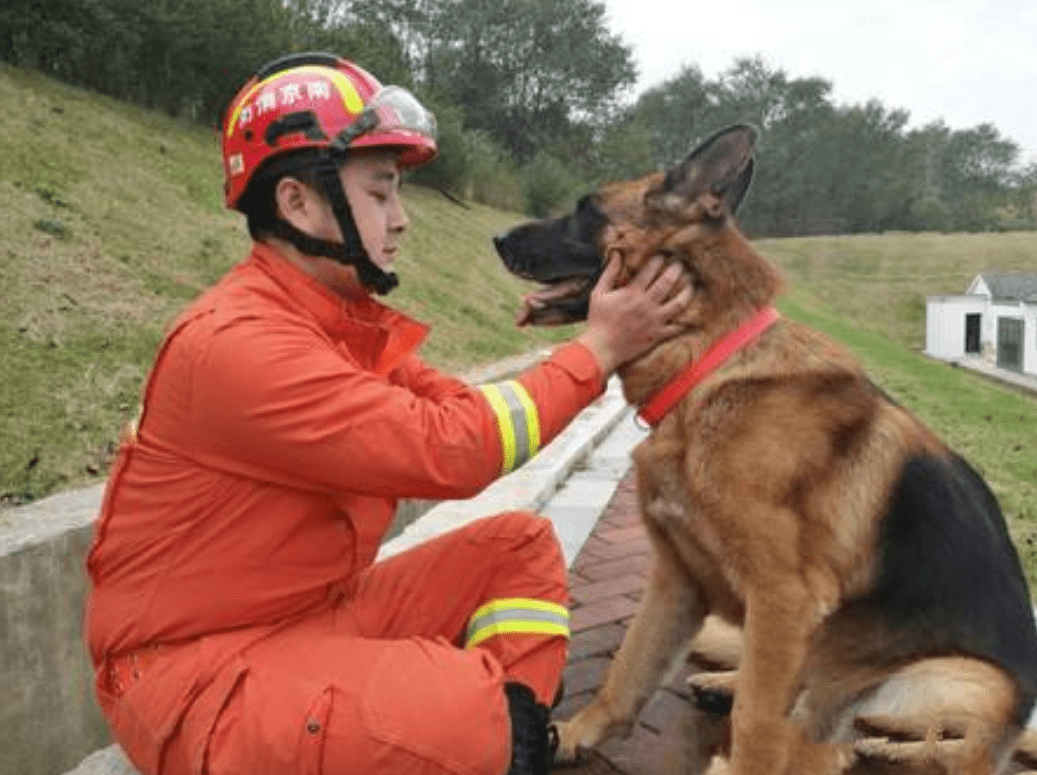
[(531, 743)]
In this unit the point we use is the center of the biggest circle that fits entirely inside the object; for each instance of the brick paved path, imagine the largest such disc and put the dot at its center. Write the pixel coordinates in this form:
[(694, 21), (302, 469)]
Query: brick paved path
[(607, 580)]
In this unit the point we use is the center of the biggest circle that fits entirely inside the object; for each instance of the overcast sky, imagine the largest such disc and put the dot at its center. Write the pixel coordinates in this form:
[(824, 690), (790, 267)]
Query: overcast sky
[(966, 61)]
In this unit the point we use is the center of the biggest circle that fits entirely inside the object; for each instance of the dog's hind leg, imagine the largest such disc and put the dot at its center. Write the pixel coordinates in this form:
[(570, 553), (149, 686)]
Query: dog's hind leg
[(713, 691), (670, 614), (717, 647), (947, 715)]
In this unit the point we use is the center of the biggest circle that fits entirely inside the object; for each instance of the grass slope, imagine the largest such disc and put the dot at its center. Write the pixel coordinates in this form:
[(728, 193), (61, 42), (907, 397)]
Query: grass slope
[(111, 220)]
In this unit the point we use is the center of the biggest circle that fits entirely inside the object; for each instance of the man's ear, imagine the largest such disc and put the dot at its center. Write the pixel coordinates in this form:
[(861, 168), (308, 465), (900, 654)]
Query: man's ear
[(294, 200)]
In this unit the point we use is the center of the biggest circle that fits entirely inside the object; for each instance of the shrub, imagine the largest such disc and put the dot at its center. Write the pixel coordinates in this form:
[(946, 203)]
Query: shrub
[(548, 183)]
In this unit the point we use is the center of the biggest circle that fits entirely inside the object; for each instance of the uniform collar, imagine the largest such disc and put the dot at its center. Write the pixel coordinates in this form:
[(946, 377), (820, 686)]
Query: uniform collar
[(379, 336)]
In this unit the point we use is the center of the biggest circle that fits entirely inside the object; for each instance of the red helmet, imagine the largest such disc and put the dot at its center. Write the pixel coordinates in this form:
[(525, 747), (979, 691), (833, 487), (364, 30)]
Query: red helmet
[(315, 101)]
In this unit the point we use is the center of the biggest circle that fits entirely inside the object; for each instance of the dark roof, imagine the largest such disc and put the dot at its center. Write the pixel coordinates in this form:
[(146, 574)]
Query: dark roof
[(1012, 286)]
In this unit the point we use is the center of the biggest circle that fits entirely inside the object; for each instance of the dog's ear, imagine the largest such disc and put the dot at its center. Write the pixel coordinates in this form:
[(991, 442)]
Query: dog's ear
[(722, 165)]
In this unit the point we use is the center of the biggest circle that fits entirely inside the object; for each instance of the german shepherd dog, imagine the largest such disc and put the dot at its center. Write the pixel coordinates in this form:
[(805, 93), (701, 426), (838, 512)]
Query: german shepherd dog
[(884, 619)]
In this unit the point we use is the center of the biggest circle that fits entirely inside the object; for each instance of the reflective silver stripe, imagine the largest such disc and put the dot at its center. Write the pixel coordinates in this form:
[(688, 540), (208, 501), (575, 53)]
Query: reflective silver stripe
[(524, 616), (517, 420)]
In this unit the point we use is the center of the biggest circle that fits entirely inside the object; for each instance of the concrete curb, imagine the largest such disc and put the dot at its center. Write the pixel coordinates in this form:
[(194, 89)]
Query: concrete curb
[(48, 518), (107, 761)]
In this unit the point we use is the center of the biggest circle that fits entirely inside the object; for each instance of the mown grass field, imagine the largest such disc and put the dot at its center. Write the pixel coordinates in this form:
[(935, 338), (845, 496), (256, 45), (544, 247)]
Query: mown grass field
[(111, 220)]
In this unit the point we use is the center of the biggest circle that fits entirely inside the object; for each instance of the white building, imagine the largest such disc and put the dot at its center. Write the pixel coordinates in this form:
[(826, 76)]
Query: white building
[(995, 319)]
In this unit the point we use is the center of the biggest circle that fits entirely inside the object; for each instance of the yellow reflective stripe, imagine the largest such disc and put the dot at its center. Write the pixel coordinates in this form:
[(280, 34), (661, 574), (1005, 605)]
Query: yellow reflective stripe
[(517, 615), (528, 603), (504, 426), (551, 629), (517, 421), (350, 96)]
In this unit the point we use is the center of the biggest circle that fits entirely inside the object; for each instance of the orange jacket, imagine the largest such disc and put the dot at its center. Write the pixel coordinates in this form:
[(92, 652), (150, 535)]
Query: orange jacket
[(279, 427)]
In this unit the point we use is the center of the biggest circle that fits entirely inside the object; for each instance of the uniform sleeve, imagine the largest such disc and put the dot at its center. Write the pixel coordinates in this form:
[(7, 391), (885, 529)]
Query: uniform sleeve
[(425, 381), (276, 402), (532, 408)]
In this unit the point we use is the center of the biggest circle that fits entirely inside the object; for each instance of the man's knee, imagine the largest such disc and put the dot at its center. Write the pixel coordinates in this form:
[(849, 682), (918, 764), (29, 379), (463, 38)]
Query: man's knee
[(531, 540), (525, 526)]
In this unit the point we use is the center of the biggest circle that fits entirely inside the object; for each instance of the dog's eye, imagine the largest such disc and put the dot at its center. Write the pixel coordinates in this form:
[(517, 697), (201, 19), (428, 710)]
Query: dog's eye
[(659, 209), (588, 220)]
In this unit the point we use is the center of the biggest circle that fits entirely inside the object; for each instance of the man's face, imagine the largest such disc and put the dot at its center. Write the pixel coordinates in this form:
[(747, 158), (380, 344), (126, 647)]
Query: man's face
[(371, 181)]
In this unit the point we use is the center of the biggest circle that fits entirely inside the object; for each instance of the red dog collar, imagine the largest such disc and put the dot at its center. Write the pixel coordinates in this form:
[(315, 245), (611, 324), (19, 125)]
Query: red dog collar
[(666, 397)]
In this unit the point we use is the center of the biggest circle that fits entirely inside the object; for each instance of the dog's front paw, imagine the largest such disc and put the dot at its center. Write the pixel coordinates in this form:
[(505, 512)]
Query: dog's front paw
[(569, 750), (577, 736)]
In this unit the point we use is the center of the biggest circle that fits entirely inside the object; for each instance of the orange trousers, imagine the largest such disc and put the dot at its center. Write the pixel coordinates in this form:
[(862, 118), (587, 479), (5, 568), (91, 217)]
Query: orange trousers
[(381, 682)]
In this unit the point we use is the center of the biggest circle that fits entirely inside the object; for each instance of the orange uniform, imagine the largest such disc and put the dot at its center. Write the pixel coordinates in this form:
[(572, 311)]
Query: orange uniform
[(237, 620)]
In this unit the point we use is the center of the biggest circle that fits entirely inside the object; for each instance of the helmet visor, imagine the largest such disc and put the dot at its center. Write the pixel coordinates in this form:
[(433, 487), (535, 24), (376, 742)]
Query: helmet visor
[(393, 116)]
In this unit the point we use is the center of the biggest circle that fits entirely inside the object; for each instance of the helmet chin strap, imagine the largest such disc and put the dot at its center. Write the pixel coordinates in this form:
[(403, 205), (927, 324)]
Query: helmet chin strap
[(371, 275), (351, 250)]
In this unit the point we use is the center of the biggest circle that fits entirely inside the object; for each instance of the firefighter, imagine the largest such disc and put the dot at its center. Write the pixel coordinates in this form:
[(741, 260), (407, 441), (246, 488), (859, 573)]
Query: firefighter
[(237, 619)]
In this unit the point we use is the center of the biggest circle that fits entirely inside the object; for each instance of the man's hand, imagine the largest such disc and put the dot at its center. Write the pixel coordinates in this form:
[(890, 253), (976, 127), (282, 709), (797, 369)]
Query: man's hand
[(623, 323)]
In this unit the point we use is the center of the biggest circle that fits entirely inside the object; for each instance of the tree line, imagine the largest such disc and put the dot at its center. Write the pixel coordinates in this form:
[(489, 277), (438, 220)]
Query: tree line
[(533, 102)]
